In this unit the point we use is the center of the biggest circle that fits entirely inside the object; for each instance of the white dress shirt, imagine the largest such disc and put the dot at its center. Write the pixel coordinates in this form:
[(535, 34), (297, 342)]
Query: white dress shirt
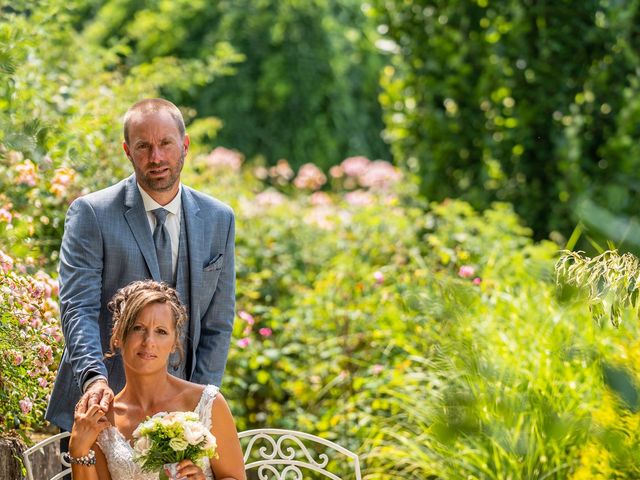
[(172, 223)]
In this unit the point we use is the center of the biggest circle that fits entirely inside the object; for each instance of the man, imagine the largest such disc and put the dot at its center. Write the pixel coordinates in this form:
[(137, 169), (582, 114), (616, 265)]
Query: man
[(146, 226)]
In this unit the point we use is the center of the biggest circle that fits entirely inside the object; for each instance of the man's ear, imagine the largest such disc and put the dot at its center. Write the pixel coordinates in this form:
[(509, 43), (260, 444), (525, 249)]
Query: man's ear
[(185, 143), (127, 152)]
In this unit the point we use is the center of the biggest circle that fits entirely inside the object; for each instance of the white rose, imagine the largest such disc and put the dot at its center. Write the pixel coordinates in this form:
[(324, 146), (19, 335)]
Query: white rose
[(193, 433), (142, 445), (210, 441)]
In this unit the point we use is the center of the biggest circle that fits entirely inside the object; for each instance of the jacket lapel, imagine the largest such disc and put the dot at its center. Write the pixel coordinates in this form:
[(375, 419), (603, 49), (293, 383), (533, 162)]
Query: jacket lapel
[(136, 217), (197, 252)]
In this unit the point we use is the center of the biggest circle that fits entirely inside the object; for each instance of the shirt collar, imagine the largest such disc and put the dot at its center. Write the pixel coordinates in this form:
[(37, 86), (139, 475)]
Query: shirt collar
[(150, 204)]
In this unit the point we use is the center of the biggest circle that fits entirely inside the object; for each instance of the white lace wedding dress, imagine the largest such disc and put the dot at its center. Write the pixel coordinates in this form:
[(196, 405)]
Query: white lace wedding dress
[(119, 452)]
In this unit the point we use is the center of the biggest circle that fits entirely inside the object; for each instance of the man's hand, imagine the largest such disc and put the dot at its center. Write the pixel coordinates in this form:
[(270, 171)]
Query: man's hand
[(98, 393)]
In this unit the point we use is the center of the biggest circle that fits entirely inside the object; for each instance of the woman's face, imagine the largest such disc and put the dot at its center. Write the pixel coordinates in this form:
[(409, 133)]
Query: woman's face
[(151, 339)]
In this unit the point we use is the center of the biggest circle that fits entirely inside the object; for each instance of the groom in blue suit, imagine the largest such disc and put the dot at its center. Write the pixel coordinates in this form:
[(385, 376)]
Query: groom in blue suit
[(146, 226)]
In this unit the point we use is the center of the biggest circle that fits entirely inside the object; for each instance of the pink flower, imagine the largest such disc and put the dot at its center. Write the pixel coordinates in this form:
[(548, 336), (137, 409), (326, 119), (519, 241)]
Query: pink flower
[(281, 173), (320, 199), (377, 369), (5, 215), (26, 173), (283, 169), (336, 171), (17, 358), (62, 178), (359, 198), (355, 166), (47, 288), (378, 276), (260, 172), (246, 316), (310, 177), (26, 405), (265, 332), (223, 158), (466, 271), (270, 198), (6, 262), (477, 281), (244, 342), (46, 353), (43, 382), (379, 174)]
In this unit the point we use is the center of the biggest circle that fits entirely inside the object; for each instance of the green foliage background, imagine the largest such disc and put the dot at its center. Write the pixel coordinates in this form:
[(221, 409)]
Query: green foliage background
[(305, 80), (530, 102), (423, 333)]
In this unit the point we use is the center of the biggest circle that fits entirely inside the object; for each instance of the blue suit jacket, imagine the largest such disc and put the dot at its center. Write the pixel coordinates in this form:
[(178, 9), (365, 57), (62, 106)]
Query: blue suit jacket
[(107, 244)]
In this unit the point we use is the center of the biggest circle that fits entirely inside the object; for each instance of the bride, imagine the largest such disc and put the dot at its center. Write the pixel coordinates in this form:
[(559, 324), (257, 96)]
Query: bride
[(147, 317)]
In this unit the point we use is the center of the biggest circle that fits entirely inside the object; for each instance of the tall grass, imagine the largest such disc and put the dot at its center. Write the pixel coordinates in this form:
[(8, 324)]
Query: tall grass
[(517, 385)]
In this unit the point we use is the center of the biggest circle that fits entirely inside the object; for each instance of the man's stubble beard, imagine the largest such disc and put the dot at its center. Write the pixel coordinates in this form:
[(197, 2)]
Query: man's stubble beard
[(164, 185)]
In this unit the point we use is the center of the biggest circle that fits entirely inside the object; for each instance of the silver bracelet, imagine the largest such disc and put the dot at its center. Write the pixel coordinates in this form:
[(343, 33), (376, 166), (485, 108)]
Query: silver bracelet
[(86, 460)]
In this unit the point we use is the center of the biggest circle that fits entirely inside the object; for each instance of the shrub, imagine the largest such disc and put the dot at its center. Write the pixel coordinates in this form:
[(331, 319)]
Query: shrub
[(30, 345)]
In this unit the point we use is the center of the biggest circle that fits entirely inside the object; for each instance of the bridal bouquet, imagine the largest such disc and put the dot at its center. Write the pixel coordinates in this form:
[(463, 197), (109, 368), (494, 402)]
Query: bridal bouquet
[(168, 438)]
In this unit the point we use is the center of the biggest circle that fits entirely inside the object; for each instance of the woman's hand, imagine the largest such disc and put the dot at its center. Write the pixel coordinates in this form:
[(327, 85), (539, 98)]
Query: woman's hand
[(87, 424), (188, 469)]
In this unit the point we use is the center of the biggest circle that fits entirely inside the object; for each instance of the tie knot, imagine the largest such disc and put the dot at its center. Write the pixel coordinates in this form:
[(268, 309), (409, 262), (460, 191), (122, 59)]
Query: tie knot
[(161, 215)]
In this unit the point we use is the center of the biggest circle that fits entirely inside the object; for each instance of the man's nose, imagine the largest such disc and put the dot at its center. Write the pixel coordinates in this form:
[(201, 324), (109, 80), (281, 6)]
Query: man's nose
[(155, 153)]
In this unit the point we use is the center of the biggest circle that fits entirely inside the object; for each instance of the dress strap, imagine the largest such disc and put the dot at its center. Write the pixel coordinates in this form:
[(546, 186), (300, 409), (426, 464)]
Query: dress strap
[(203, 409)]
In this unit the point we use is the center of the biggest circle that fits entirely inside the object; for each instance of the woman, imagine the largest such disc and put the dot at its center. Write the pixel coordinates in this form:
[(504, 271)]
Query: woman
[(147, 319)]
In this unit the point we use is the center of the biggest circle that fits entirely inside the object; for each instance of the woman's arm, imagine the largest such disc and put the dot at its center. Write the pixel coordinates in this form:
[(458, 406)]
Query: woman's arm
[(230, 464), (86, 427)]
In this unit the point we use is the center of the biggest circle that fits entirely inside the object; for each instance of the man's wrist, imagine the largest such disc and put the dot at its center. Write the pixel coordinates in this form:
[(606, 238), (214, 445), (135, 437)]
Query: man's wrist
[(93, 380)]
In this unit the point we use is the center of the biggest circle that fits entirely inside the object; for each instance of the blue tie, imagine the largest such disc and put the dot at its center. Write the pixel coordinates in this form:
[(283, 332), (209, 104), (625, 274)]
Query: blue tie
[(163, 246)]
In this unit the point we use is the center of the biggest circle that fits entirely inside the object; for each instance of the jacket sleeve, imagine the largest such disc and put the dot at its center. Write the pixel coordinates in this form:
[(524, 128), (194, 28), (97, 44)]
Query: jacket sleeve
[(80, 277), (216, 324)]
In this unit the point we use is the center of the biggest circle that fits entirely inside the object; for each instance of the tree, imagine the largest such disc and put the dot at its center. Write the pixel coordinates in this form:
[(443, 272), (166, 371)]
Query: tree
[(306, 90), (529, 102)]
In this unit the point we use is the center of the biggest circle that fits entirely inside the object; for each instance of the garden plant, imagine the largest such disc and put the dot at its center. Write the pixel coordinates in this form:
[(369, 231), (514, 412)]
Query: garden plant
[(374, 308)]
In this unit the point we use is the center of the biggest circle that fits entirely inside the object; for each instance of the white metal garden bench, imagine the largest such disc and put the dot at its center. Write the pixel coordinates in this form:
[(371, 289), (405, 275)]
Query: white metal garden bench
[(39, 448), (287, 454), (273, 454)]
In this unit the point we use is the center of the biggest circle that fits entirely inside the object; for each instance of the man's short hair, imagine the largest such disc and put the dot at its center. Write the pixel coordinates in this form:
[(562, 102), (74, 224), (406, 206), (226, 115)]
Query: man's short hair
[(152, 105)]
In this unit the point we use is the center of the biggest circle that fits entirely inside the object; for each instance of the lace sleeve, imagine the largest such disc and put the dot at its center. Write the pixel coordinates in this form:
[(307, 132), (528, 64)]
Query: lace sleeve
[(203, 409)]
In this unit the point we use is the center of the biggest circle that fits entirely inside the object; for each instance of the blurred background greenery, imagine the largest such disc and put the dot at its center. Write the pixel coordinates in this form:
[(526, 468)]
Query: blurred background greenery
[(403, 175)]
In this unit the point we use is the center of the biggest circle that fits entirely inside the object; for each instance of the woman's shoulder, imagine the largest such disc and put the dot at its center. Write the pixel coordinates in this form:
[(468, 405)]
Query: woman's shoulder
[(188, 392), (193, 394)]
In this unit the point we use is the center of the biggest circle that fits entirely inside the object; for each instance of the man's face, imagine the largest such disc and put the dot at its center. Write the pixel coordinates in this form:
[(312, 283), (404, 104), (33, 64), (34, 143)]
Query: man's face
[(156, 151)]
